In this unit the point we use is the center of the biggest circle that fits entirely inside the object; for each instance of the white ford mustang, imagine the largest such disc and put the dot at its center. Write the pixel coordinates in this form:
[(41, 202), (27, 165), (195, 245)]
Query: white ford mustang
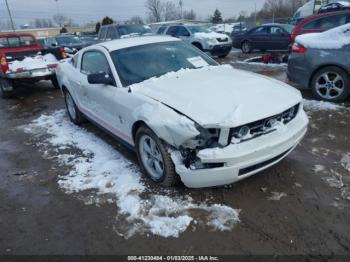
[(185, 116)]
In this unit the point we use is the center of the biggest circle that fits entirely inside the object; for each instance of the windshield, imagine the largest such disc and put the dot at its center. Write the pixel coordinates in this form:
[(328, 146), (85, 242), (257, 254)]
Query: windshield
[(139, 63), (198, 29), (134, 29), (67, 40)]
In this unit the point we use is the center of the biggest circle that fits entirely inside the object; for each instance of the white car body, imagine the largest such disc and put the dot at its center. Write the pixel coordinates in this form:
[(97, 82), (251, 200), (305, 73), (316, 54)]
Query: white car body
[(178, 106), (214, 43)]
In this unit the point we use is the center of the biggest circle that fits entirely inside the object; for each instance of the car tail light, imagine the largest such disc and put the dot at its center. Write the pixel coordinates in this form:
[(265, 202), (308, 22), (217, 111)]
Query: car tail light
[(52, 65), (3, 63), (298, 48), (63, 53)]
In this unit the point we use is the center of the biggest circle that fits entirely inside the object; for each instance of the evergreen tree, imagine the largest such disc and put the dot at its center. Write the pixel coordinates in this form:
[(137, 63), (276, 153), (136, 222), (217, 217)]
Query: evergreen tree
[(107, 21), (217, 17)]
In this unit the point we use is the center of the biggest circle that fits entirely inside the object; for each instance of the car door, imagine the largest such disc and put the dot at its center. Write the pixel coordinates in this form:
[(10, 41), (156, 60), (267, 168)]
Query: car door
[(259, 37), (279, 38), (97, 98)]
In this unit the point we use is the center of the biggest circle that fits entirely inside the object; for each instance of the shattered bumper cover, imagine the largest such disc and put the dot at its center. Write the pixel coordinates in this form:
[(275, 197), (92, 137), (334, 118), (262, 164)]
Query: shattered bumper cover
[(243, 160)]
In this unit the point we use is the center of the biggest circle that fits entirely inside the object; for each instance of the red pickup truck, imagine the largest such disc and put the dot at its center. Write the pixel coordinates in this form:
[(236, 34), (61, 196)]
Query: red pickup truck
[(22, 59)]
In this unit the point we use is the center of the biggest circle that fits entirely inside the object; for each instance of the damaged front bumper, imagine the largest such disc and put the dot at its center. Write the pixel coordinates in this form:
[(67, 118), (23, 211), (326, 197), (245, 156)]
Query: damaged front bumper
[(239, 161)]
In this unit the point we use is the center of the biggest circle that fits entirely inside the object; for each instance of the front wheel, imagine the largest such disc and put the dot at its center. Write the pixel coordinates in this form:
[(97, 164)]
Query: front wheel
[(154, 159), (331, 84), (246, 47), (73, 112), (54, 82)]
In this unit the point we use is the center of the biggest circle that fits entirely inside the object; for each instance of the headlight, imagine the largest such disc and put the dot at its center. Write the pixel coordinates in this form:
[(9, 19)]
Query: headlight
[(243, 132), (212, 41)]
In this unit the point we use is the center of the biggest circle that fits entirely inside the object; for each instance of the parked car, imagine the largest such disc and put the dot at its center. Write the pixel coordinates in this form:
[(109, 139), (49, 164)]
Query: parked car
[(201, 37), (320, 61), (116, 31), (320, 23), (336, 6), (70, 43), (58, 52), (181, 112), (265, 37), (21, 60)]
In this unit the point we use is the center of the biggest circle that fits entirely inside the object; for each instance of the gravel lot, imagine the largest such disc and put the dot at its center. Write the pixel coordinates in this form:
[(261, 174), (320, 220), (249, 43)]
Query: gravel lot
[(300, 206)]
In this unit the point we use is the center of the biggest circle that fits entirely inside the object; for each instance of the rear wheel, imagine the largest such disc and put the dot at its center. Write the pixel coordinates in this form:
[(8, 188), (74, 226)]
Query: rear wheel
[(73, 112), (246, 47), (6, 88), (154, 159), (331, 84)]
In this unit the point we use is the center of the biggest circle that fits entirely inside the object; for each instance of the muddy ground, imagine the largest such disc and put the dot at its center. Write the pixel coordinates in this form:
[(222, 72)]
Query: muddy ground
[(311, 216)]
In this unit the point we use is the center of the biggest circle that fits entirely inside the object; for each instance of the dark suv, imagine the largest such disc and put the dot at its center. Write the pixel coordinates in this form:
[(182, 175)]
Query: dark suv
[(320, 23), (110, 32)]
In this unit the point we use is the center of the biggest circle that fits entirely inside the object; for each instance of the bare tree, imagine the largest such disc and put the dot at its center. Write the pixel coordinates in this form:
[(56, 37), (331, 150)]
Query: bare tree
[(190, 15), (155, 9), (136, 20), (171, 12)]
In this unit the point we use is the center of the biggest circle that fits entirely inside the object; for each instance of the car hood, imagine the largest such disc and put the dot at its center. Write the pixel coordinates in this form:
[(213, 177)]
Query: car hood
[(220, 96), (210, 35)]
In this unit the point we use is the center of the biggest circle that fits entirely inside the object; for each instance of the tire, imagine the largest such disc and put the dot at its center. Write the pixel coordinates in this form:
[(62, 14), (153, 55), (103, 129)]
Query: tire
[(157, 156), (4, 84), (54, 82), (331, 84), (73, 112), (246, 47), (223, 56)]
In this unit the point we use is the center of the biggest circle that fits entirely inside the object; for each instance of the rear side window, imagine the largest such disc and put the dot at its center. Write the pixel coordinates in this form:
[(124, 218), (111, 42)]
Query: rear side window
[(327, 22), (3, 42), (21, 41), (94, 62)]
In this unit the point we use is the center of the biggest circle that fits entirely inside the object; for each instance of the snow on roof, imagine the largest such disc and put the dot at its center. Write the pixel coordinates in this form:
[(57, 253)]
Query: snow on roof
[(136, 41), (335, 38)]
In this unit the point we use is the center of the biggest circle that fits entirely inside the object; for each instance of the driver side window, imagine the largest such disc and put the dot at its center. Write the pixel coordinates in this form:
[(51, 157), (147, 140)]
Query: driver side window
[(94, 62)]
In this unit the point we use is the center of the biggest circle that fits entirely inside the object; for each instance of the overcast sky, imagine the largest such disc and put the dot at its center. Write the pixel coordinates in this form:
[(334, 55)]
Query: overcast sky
[(83, 11)]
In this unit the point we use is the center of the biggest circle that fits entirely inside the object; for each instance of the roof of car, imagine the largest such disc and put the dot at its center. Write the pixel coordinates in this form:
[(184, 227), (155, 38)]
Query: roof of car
[(136, 41)]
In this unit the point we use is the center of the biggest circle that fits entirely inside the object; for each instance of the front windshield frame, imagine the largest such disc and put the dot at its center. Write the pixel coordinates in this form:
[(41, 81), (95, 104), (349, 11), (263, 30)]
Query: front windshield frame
[(125, 82), (203, 29)]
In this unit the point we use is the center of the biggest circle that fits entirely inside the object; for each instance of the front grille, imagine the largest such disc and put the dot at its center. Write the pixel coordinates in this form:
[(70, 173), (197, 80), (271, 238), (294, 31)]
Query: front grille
[(265, 126), (252, 168), (222, 39)]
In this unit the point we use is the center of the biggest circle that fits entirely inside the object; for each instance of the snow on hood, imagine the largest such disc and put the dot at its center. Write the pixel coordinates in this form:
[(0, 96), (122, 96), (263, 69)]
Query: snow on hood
[(31, 63), (220, 95), (210, 35), (335, 38)]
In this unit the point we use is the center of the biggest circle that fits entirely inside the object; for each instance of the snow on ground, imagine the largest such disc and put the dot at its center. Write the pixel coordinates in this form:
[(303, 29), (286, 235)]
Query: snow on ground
[(322, 105), (250, 61), (345, 161), (335, 38), (276, 196), (99, 167), (30, 63)]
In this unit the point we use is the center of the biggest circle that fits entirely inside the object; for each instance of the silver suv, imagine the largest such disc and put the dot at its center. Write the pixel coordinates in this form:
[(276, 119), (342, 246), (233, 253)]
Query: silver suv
[(200, 36)]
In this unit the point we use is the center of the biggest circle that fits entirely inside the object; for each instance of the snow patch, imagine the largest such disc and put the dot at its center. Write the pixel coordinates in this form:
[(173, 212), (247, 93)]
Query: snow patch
[(322, 105), (31, 63), (318, 168), (99, 167), (276, 196), (345, 161)]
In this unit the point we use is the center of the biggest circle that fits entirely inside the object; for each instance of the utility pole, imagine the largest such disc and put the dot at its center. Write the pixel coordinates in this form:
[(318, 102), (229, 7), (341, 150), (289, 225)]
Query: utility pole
[(58, 11), (181, 4), (255, 14), (12, 23)]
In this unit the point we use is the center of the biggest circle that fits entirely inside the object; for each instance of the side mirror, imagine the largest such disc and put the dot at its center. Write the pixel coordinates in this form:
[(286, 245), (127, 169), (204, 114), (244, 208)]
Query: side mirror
[(100, 78)]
